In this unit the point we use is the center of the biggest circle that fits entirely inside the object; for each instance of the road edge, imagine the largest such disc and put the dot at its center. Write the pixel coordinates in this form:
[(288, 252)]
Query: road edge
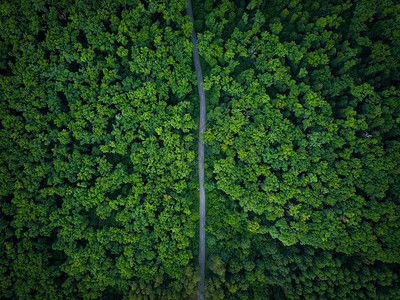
[(202, 128)]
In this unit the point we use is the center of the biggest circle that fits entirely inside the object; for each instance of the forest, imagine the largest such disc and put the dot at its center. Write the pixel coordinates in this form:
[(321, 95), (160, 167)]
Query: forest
[(99, 123)]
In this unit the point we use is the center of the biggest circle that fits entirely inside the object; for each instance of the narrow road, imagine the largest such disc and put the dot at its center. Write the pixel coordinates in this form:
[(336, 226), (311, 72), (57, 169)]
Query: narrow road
[(202, 248)]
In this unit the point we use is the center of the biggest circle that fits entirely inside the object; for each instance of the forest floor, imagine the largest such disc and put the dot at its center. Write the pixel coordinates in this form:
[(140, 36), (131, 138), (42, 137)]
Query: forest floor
[(202, 127)]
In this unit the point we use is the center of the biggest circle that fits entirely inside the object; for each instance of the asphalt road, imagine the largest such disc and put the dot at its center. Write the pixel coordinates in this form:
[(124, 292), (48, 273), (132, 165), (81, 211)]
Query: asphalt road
[(202, 248)]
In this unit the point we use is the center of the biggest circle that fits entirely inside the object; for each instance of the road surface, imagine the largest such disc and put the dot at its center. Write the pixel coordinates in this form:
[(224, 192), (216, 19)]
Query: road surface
[(202, 128)]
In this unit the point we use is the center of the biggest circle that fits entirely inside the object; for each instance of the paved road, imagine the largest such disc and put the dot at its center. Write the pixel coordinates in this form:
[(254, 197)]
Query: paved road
[(202, 249)]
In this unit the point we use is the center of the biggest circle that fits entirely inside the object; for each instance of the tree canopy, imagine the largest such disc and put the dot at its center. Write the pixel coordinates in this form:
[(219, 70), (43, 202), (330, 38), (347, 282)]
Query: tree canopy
[(98, 173), (99, 132), (303, 148)]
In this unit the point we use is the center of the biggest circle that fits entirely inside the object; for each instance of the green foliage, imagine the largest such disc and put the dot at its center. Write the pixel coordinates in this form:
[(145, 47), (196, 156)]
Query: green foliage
[(302, 148), (98, 137), (97, 154)]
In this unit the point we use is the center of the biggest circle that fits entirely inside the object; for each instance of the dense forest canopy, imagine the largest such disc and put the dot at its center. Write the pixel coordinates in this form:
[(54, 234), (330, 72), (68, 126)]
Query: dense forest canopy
[(99, 130), (98, 152), (303, 148)]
